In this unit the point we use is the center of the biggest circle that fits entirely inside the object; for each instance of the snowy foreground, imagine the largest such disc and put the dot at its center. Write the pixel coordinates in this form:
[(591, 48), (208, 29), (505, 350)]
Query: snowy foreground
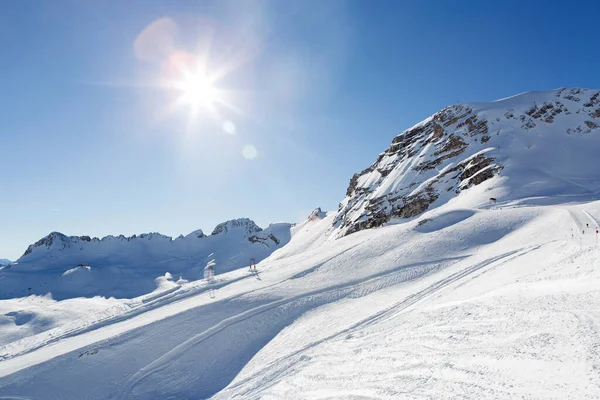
[(500, 302)]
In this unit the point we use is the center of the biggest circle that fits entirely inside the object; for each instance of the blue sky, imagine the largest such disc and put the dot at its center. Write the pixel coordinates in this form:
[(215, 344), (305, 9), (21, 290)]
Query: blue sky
[(91, 145)]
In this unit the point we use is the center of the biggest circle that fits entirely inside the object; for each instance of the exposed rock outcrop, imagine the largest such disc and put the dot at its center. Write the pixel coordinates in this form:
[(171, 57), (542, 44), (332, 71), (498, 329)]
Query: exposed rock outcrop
[(245, 224), (457, 148)]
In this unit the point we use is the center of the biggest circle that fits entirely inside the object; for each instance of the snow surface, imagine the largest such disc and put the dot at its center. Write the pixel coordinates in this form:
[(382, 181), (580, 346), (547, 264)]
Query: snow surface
[(457, 304), (469, 300)]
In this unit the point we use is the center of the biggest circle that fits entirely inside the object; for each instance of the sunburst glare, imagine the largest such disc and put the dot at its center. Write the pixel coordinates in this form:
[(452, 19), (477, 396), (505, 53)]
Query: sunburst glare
[(196, 81), (197, 90)]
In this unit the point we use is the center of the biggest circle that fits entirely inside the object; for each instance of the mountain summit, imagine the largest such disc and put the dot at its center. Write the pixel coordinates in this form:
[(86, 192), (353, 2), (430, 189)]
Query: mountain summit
[(536, 144), (245, 225)]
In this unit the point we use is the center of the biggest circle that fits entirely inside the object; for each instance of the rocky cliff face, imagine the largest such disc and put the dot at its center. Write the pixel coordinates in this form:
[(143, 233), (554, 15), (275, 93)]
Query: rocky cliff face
[(245, 225), (465, 145)]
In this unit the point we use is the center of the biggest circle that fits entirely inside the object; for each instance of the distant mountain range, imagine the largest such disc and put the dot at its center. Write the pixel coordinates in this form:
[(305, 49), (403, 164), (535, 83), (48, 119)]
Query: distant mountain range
[(119, 266)]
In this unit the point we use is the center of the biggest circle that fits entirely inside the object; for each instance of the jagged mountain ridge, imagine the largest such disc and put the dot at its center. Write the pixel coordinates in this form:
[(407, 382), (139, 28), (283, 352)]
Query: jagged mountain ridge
[(58, 241), (520, 146), (122, 266), (246, 224)]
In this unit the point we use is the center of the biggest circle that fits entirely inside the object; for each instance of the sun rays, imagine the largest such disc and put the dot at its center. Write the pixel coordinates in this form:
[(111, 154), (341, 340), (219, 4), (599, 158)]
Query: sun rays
[(191, 86)]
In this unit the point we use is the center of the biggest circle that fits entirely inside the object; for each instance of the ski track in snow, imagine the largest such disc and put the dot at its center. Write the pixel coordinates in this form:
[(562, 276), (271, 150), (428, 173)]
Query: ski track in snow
[(403, 305), (309, 300), (111, 316)]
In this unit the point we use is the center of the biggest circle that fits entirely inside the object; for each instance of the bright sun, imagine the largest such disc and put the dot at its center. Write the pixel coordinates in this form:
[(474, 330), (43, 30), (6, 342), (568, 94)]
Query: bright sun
[(197, 91), (192, 85)]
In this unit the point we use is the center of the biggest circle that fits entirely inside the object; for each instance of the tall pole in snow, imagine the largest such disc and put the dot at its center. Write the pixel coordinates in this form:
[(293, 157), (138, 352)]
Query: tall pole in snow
[(209, 270)]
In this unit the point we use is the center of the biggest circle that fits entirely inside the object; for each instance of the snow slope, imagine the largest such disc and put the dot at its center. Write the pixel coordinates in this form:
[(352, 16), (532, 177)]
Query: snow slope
[(457, 305), (4, 261)]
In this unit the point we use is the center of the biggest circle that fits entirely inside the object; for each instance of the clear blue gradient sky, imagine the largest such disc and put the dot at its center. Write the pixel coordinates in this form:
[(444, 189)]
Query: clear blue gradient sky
[(91, 146)]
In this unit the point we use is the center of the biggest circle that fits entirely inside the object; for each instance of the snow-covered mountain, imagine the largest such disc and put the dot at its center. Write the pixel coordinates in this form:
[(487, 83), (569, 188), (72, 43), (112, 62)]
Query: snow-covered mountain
[(4, 261), (466, 303), (119, 266), (530, 145), (459, 297)]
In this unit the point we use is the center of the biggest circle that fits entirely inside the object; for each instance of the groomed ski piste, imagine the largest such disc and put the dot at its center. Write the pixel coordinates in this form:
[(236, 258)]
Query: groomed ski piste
[(469, 300)]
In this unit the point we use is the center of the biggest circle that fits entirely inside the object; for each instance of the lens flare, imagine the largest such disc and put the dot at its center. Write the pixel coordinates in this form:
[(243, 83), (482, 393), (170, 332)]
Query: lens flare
[(229, 127), (196, 82), (249, 152)]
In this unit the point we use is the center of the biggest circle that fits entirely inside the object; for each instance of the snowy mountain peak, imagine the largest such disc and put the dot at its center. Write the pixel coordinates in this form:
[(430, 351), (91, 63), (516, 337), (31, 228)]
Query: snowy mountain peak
[(317, 213), (245, 225), (529, 142), (55, 240), (60, 241), (154, 236), (198, 234)]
